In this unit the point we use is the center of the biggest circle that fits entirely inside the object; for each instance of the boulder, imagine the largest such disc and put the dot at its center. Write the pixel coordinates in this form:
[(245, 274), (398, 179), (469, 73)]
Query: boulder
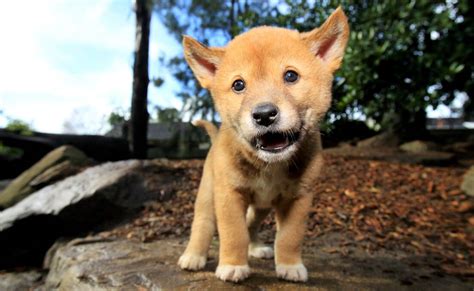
[(56, 165), (385, 139), (74, 206), (127, 265), (418, 146), (4, 184), (24, 280), (468, 182)]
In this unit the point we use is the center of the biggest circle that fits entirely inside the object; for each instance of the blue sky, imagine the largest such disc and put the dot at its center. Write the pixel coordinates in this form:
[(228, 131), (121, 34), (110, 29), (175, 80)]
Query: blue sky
[(71, 61)]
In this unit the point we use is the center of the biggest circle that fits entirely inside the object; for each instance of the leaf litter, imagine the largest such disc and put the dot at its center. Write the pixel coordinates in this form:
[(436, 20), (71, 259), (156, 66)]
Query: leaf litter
[(374, 205)]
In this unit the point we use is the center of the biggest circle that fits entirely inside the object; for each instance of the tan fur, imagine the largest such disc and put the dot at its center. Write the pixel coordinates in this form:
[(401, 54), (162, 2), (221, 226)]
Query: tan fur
[(240, 183), (210, 128)]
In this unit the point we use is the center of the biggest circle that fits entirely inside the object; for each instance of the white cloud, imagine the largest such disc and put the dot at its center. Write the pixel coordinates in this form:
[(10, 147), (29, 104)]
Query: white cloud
[(42, 80)]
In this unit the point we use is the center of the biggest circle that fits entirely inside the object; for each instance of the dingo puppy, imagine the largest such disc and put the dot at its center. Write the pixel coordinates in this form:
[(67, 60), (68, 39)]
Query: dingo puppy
[(270, 86)]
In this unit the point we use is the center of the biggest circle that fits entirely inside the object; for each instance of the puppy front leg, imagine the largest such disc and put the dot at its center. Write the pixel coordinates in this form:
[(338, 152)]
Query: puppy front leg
[(233, 235), (204, 224), (291, 225)]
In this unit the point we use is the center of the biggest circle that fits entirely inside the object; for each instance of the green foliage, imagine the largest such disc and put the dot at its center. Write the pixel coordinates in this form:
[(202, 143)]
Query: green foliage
[(116, 118), (167, 114), (192, 18), (19, 127), (401, 57), (10, 152)]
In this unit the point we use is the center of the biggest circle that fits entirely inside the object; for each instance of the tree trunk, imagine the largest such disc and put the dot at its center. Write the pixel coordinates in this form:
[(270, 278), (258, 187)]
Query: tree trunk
[(409, 125), (139, 114), (231, 19)]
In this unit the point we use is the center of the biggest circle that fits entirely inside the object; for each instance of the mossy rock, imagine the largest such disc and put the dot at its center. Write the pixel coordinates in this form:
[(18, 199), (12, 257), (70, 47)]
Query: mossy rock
[(384, 139), (418, 146), (22, 186)]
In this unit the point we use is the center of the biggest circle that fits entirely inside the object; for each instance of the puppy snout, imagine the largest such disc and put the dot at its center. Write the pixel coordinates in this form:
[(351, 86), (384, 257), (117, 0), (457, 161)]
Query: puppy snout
[(265, 114)]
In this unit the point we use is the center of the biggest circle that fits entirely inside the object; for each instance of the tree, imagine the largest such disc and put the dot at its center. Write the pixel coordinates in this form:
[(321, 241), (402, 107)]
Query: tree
[(167, 114), (401, 57), (19, 127), (139, 112), (116, 118), (221, 26)]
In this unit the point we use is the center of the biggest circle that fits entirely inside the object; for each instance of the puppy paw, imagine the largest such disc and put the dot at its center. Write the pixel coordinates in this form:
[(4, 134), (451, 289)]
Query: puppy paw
[(260, 251), (192, 262), (232, 273), (295, 273)]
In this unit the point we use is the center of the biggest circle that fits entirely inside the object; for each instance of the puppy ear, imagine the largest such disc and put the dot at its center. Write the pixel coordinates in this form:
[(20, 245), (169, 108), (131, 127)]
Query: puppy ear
[(329, 41), (203, 60)]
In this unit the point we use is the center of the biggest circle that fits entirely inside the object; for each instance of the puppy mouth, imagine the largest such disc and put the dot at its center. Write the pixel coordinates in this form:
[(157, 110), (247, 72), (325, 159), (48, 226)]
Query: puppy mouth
[(275, 142)]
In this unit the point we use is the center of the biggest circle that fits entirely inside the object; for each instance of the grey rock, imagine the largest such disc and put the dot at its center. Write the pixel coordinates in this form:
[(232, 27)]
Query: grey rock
[(19, 281), (385, 139), (468, 182), (4, 184), (75, 205), (418, 146), (126, 265), (465, 147), (21, 186)]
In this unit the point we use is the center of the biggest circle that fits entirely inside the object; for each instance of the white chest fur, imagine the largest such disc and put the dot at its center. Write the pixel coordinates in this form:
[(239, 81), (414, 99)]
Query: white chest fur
[(271, 184)]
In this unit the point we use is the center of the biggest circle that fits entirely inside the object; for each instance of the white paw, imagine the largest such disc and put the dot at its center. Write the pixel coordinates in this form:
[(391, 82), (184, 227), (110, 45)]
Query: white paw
[(261, 251), (296, 273), (232, 273), (192, 262)]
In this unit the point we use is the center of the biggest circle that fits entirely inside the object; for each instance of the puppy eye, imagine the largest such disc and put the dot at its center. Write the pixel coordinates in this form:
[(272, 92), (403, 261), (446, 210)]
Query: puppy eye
[(291, 76), (238, 85)]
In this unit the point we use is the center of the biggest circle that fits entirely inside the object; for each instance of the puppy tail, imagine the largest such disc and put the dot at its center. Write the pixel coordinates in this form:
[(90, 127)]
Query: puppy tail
[(210, 128)]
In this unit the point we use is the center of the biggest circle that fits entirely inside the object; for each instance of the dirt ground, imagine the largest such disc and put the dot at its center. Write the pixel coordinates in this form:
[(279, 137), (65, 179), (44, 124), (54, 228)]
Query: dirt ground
[(409, 222)]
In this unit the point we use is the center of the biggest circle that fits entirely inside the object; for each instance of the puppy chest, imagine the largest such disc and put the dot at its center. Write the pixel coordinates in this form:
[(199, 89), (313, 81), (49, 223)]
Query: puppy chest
[(268, 188)]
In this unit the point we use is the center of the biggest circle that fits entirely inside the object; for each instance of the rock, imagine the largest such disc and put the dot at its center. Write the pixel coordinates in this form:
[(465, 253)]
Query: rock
[(461, 147), (73, 206), (4, 184), (54, 174), (431, 158), (385, 139), (418, 146), (127, 265), (14, 281), (468, 182), (21, 187)]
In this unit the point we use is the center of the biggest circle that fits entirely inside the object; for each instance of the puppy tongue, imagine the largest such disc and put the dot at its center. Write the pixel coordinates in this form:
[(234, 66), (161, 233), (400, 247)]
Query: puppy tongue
[(273, 141)]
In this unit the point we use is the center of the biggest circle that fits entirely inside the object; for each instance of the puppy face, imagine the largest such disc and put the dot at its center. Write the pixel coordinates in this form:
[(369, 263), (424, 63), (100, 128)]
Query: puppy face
[(272, 85)]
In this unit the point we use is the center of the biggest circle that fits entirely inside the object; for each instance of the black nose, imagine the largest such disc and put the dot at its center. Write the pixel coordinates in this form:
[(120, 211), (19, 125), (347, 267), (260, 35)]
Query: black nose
[(265, 114)]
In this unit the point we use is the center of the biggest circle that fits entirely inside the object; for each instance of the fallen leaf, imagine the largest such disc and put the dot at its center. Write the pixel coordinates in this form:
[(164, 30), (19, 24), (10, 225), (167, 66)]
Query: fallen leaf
[(350, 193), (465, 206)]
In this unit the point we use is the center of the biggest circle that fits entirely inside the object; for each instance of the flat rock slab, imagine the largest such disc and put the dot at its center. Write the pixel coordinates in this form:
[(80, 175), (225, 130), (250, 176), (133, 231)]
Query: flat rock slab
[(125, 265), (74, 206)]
